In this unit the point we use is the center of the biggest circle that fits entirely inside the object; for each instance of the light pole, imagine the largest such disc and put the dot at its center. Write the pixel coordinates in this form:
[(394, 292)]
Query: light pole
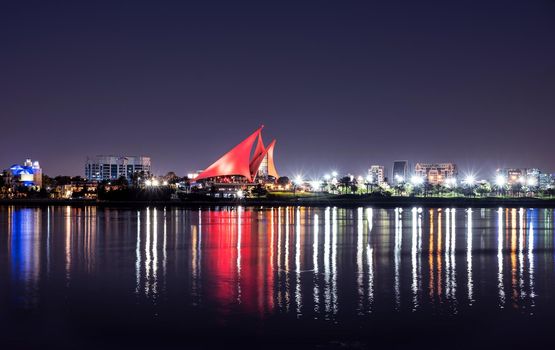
[(369, 182)]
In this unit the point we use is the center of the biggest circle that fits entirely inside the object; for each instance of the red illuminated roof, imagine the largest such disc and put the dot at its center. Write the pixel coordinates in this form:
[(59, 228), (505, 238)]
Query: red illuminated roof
[(271, 166), (238, 162), (234, 162)]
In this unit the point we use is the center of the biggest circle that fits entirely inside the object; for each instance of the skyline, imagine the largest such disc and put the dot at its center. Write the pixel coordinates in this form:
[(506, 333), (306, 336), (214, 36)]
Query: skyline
[(340, 88)]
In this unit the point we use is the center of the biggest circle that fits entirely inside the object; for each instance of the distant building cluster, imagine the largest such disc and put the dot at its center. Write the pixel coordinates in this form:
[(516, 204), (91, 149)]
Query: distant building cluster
[(447, 174), (109, 167)]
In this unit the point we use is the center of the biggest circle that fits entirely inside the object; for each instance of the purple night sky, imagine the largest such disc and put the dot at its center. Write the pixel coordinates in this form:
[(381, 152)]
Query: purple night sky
[(340, 84)]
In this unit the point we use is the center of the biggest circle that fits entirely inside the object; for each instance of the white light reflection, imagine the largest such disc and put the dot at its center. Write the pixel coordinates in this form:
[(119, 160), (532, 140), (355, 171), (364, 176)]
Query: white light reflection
[(316, 290), (369, 258), (287, 301), (397, 255), (452, 249), (138, 255), (531, 260), (165, 246), (500, 285), (298, 296), (155, 253), (327, 271), (334, 262), (414, 260), (470, 283), (360, 267)]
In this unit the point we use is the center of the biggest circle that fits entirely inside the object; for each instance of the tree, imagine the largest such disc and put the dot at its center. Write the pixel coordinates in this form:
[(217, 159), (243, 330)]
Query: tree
[(137, 177), (62, 180), (283, 181), (345, 182), (47, 181), (121, 182), (171, 177), (259, 191)]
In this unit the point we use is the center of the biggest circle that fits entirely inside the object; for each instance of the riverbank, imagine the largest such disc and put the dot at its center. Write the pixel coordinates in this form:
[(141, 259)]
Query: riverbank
[(313, 201)]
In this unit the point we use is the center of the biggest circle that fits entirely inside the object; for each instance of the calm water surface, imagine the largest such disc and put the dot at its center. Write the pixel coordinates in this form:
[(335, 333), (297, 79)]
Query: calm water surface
[(281, 277)]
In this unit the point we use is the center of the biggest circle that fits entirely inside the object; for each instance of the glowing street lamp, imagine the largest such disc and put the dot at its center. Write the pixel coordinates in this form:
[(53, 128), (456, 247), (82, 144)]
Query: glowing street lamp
[(334, 174), (369, 182), (416, 180), (470, 180), (532, 182), (451, 182), (316, 185), (500, 181)]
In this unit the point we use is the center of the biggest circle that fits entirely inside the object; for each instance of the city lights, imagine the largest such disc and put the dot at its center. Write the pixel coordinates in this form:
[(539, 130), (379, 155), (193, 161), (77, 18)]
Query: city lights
[(416, 180), (451, 182), (532, 182), (470, 180), (500, 181), (315, 185)]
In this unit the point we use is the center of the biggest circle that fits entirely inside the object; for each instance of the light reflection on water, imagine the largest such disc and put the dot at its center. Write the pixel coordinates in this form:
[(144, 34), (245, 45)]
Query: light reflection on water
[(323, 263)]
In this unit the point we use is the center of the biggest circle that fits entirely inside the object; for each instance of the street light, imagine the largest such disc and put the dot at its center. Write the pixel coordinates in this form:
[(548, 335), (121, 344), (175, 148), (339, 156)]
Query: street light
[(369, 182), (470, 180), (416, 180), (500, 181)]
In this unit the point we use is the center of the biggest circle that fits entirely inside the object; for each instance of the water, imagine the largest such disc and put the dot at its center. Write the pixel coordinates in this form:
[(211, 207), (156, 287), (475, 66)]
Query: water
[(276, 277)]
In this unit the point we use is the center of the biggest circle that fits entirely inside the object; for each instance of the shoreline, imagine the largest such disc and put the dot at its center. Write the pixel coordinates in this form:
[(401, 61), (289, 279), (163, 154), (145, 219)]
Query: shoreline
[(338, 201)]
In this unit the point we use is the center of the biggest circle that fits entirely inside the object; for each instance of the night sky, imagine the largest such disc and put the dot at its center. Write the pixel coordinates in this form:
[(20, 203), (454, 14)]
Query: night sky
[(340, 84)]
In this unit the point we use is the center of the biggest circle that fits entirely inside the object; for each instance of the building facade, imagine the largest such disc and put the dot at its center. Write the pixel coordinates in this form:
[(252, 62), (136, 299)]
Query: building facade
[(377, 174), (435, 173), (28, 174), (400, 171), (101, 168), (530, 177)]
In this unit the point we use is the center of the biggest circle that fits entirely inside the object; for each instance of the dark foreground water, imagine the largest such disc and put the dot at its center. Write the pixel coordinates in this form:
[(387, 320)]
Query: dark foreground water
[(276, 278)]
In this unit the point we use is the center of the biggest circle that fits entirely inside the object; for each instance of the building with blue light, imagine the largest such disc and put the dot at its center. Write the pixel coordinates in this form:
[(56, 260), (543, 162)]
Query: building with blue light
[(28, 174)]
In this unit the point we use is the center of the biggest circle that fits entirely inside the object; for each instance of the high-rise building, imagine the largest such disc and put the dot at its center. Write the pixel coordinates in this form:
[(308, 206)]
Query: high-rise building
[(435, 173), (99, 168), (400, 171), (377, 174)]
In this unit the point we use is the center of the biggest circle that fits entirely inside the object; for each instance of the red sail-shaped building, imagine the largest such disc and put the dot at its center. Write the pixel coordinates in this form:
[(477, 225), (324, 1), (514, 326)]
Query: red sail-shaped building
[(271, 165), (234, 162), (238, 161), (258, 156)]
